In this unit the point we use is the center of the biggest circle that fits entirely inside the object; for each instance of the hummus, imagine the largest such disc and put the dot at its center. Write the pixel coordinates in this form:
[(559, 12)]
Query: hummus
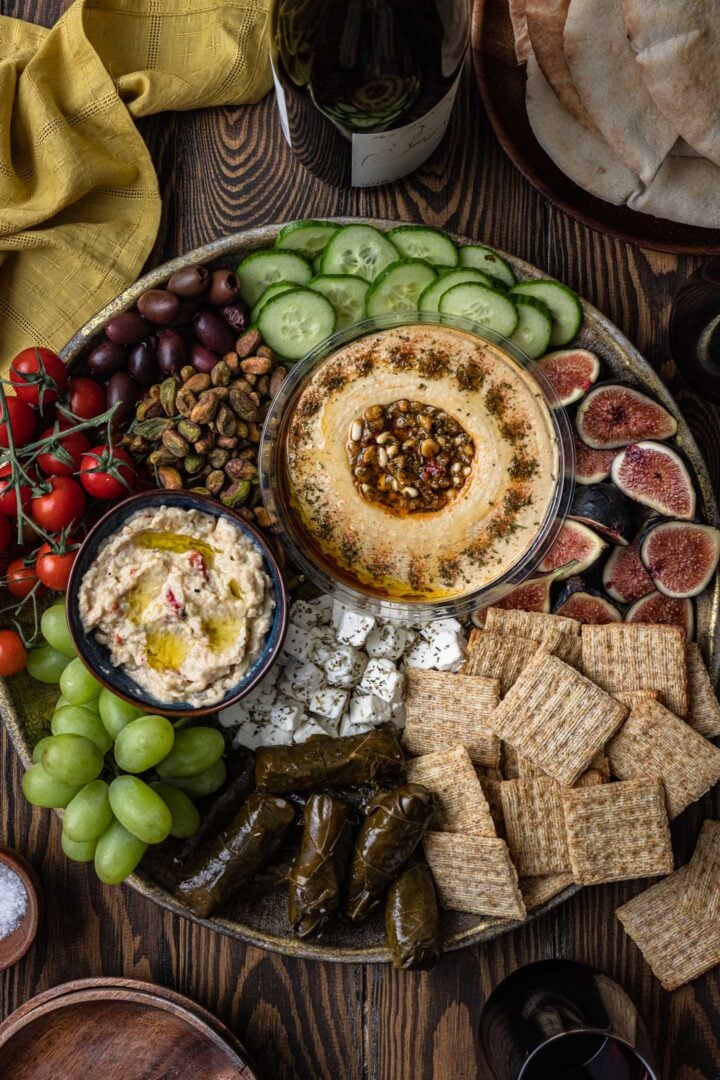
[(433, 527), (181, 600)]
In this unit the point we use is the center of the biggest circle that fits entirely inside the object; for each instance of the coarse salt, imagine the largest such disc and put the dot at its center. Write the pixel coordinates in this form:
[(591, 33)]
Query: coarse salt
[(13, 901)]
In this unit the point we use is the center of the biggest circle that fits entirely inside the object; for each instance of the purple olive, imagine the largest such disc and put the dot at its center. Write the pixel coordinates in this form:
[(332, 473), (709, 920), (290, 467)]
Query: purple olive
[(106, 358), (123, 391), (213, 332), (235, 315), (188, 309), (172, 352), (142, 364), (224, 287), (189, 281), (127, 328), (204, 359), (159, 306)]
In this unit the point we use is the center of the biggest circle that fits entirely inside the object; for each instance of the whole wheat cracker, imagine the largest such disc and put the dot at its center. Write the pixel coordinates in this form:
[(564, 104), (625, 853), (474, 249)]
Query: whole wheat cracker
[(474, 873), (538, 890), (529, 624), (461, 805), (703, 705), (635, 697), (535, 826), (491, 791), (443, 710), (702, 895), (654, 742), (509, 761), (617, 832), (527, 769), (498, 656), (638, 656)]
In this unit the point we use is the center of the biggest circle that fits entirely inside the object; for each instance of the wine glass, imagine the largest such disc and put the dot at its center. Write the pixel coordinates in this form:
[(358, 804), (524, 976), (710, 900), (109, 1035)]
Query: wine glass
[(695, 330)]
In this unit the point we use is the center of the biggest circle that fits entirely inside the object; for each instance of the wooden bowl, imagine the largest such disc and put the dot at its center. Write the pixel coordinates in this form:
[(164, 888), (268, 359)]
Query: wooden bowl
[(13, 947), (119, 1028)]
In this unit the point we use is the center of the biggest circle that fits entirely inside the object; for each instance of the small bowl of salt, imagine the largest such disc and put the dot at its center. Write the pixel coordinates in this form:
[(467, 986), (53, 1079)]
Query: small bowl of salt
[(19, 906)]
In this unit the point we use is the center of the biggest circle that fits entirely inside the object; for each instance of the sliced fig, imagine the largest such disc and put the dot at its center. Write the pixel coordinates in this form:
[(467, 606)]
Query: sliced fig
[(680, 556), (604, 508), (624, 577), (591, 466), (654, 475), (587, 606), (616, 415), (576, 547), (656, 608), (532, 595), (570, 372)]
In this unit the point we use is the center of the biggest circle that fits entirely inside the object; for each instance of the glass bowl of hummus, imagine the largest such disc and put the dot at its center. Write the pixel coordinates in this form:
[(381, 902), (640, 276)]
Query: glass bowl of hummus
[(176, 603), (417, 466)]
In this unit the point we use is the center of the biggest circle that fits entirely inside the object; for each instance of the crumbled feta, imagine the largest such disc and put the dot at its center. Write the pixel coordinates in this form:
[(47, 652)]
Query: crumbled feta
[(328, 702)]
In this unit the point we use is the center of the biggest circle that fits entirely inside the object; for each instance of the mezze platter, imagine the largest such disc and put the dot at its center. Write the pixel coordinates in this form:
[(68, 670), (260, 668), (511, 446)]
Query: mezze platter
[(263, 921)]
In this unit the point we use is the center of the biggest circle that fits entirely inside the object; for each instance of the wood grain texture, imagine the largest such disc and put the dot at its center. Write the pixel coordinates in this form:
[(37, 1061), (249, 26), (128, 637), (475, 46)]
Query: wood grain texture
[(225, 169)]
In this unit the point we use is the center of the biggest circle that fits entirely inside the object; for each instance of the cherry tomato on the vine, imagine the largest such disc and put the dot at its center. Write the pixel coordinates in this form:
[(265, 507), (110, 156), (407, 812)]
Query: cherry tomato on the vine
[(53, 463), (59, 507), (87, 398), (107, 472), (12, 652), (22, 422), (53, 568), (39, 376), (8, 494), (21, 579)]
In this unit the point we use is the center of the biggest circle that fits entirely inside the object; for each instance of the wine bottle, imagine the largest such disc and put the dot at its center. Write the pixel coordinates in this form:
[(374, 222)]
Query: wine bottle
[(365, 88)]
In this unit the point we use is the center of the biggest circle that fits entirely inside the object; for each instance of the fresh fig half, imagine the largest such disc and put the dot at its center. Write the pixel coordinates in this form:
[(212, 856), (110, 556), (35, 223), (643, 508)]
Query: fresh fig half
[(570, 372), (656, 608), (532, 595), (654, 475), (604, 508), (624, 577), (589, 607), (591, 466), (680, 556), (613, 414), (576, 548)]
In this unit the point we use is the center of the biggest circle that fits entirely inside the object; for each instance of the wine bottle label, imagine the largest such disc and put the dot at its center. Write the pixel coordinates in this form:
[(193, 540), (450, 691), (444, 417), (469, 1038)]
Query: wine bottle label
[(384, 156)]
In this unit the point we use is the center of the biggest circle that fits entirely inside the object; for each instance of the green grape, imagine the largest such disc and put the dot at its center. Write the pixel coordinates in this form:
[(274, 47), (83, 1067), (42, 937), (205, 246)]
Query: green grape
[(46, 664), (38, 749), (185, 818), (41, 789), (143, 743), (72, 758), (89, 813), (140, 809), (117, 854), (204, 783), (115, 713), (78, 851), (62, 700), (77, 720), (194, 751), (77, 684), (55, 630)]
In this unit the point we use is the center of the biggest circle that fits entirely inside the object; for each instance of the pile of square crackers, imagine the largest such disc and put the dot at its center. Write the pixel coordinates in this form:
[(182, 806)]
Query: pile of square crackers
[(558, 756)]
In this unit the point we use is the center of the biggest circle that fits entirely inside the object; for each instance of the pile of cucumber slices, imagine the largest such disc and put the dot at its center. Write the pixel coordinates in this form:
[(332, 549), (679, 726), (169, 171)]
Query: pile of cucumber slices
[(321, 277)]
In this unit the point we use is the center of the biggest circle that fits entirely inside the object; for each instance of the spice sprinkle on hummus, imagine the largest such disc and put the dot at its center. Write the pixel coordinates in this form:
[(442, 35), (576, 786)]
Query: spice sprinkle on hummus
[(421, 462), (182, 601)]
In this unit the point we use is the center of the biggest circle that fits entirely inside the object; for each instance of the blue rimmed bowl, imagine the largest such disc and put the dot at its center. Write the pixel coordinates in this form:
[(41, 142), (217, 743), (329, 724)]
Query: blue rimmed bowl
[(96, 657)]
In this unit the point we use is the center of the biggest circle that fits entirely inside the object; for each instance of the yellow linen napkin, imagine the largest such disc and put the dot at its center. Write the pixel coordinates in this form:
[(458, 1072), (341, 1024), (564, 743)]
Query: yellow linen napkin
[(79, 199)]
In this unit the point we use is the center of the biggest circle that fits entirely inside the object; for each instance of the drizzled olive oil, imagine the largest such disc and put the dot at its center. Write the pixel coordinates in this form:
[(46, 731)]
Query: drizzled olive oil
[(164, 650), (177, 543)]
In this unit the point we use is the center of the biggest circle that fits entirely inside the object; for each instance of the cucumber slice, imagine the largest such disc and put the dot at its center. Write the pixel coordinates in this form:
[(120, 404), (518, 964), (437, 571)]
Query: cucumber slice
[(272, 290), (308, 238), (359, 250), (317, 264), (399, 287), (430, 298), (262, 268), (484, 258), (482, 305), (345, 293), (563, 304), (534, 328), (419, 242), (295, 322)]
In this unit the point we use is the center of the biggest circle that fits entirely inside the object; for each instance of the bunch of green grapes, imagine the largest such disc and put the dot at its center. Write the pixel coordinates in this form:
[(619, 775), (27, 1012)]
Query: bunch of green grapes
[(94, 731)]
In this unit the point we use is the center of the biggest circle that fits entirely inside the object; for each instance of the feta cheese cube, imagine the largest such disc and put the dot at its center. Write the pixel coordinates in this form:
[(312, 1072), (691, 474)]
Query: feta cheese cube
[(368, 709), (275, 736), (287, 714), (250, 735), (345, 666), (324, 645), (235, 716), (261, 701), (323, 608), (386, 641), (449, 648), (298, 642), (420, 655), (381, 678), (299, 681), (348, 728), (302, 613), (441, 626), (338, 610), (328, 702), (313, 726), (354, 628)]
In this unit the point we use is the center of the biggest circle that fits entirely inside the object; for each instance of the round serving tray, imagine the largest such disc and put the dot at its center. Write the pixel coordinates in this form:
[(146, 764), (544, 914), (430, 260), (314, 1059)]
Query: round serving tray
[(264, 921), (502, 87)]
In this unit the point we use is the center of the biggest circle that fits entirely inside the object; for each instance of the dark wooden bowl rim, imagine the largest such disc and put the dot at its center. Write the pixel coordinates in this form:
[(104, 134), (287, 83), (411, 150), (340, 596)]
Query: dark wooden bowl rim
[(15, 945)]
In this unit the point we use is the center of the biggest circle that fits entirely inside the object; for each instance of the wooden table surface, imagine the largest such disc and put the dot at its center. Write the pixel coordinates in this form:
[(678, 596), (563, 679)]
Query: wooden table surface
[(222, 170)]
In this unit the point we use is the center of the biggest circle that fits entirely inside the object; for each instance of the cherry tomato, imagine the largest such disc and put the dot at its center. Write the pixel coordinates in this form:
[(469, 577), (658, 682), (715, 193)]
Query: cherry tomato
[(12, 652), (21, 579), (76, 444), (22, 422), (87, 398), (8, 495), (107, 472), (39, 376), (53, 568), (59, 507)]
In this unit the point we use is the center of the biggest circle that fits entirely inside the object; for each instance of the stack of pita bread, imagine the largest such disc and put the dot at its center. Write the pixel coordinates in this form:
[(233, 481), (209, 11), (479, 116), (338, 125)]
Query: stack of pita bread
[(624, 96)]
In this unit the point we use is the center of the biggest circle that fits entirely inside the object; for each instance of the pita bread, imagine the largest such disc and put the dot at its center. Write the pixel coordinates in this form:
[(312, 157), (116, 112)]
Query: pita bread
[(518, 18), (685, 189), (677, 45), (546, 23), (611, 86), (582, 155)]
